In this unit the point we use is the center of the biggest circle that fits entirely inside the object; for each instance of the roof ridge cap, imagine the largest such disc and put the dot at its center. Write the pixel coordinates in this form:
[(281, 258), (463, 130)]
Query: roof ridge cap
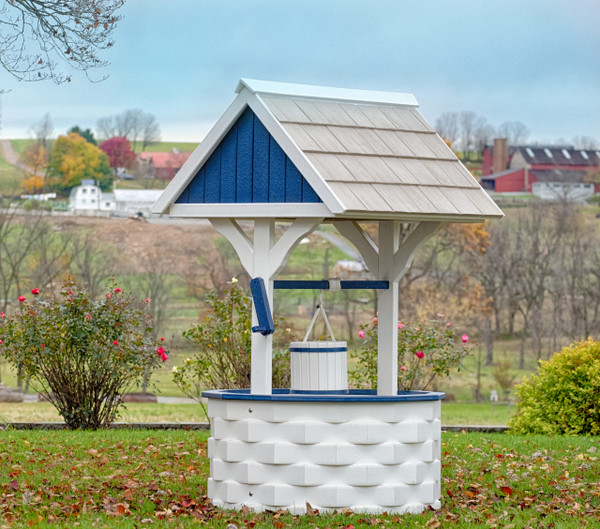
[(315, 92)]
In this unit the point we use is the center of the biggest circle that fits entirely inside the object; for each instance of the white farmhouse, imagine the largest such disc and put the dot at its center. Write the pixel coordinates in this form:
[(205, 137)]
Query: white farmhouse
[(88, 199)]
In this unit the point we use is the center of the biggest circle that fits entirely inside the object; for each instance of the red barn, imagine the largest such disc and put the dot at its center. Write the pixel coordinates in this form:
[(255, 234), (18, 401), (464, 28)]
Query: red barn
[(517, 168)]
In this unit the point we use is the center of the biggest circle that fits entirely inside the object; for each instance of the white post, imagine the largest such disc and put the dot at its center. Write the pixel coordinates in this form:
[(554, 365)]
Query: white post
[(262, 346), (387, 305), (264, 258)]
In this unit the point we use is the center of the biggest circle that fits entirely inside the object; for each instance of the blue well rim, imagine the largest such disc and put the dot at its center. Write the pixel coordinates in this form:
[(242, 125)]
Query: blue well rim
[(353, 395)]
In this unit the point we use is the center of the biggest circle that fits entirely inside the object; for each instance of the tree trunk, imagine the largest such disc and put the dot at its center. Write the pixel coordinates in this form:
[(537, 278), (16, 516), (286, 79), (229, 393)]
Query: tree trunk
[(488, 338)]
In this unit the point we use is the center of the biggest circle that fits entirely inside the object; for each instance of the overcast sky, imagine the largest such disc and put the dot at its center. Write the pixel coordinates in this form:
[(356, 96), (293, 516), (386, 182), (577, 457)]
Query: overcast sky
[(535, 61)]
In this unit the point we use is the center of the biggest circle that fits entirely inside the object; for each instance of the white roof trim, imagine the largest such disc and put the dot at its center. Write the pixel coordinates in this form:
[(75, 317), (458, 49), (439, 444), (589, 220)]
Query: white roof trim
[(251, 211), (326, 92)]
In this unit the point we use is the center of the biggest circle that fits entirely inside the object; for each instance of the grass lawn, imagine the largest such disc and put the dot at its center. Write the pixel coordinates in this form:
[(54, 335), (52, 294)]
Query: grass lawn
[(132, 412), (10, 178), (123, 478), (453, 413)]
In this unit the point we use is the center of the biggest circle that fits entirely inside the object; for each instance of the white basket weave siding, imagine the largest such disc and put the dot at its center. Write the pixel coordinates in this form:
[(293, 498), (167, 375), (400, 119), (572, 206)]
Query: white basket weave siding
[(324, 368), (369, 457)]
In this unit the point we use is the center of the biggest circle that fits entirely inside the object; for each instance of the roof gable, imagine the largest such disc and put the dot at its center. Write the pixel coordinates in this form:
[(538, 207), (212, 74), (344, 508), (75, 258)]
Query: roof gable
[(365, 155), (248, 166)]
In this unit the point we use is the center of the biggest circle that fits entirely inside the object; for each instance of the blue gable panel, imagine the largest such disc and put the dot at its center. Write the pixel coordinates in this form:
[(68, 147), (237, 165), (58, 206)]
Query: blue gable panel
[(260, 168), (196, 188), (277, 167), (229, 166), (245, 139), (293, 182), (212, 186), (248, 166)]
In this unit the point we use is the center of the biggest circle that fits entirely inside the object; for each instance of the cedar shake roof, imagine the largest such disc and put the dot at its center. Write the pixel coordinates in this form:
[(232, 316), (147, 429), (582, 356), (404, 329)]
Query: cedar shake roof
[(367, 155)]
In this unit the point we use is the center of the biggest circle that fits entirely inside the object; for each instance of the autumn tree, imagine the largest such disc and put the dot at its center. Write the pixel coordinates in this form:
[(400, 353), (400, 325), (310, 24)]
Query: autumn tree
[(119, 152), (86, 134), (72, 159), (36, 37), (35, 158)]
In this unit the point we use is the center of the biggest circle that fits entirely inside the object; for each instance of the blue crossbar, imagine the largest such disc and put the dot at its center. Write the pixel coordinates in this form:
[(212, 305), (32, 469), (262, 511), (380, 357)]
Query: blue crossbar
[(324, 284), (261, 305)]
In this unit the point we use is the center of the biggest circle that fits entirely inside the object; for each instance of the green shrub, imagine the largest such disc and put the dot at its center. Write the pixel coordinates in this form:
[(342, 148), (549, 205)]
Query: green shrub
[(564, 396), (425, 351), (223, 336), (83, 353)]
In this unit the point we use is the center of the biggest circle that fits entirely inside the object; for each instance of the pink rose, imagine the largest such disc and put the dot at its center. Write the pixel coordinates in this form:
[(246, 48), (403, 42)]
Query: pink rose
[(464, 338), (2, 315), (448, 324), (21, 298), (403, 368), (109, 295), (160, 350), (375, 321), (35, 291), (400, 325), (117, 290), (1, 342), (419, 354), (147, 300), (361, 334), (164, 357), (162, 338), (43, 345), (115, 342)]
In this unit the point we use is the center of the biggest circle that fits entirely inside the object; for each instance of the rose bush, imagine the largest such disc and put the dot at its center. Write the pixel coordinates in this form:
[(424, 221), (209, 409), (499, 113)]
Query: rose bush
[(425, 351), (223, 338), (82, 353)]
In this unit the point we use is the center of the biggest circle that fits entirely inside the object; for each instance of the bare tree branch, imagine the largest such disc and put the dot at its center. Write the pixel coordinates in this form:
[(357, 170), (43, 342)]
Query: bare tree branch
[(35, 36)]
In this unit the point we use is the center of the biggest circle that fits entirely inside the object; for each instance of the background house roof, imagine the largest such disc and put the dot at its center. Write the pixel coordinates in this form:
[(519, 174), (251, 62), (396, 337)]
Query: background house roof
[(558, 175), (558, 155), (366, 154)]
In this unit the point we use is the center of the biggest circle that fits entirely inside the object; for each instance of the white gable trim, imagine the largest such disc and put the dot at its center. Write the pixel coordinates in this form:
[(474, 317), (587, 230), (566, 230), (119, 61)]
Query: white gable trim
[(326, 92), (200, 155), (271, 210)]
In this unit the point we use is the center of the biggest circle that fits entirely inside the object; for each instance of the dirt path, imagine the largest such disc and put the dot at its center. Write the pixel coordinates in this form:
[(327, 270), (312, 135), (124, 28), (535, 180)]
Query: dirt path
[(12, 157)]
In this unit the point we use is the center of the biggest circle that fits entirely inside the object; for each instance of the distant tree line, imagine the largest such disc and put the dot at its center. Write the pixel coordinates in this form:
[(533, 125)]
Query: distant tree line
[(533, 275), (469, 132), (60, 164)]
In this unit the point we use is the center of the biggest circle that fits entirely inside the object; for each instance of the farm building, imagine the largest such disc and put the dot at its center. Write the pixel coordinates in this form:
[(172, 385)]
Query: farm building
[(549, 172), (88, 199), (162, 165)]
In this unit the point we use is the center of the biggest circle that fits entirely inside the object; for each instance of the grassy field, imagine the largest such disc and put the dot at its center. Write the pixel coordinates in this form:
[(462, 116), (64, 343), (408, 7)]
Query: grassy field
[(166, 146), (10, 178), (163, 146), (128, 479), (453, 413)]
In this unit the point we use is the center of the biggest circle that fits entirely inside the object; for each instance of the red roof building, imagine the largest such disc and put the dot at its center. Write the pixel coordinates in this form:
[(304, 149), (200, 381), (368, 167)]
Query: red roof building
[(164, 165), (517, 168)]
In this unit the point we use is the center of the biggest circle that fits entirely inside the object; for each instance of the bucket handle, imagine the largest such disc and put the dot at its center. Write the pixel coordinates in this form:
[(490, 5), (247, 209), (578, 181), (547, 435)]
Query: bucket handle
[(320, 309)]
